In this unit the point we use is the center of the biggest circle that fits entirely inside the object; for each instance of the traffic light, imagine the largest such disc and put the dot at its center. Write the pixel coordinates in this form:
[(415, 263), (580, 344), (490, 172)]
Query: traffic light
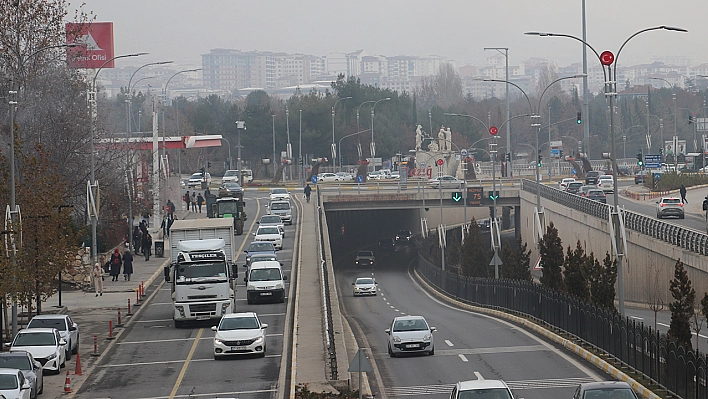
[(202, 170), (579, 118), (561, 154), (540, 158), (208, 164), (640, 159), (691, 120), (508, 157)]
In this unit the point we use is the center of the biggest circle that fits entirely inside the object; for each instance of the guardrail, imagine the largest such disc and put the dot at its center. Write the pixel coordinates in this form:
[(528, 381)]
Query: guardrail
[(326, 304), (682, 237), (682, 372)]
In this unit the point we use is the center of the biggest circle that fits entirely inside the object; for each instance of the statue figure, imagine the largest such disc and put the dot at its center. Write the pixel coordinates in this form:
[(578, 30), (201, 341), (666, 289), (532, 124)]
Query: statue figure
[(418, 137), (433, 146), (441, 138), (448, 139)]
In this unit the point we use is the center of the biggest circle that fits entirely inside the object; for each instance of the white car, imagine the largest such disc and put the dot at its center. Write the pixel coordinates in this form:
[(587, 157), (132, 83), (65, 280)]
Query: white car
[(445, 181), (270, 234), (279, 194), (13, 384), (376, 175), (31, 369), (272, 220), (669, 206), (239, 334), (230, 176), (196, 179), (365, 286), (68, 329), (564, 183), (327, 177), (395, 175), (606, 183), (45, 344), (481, 389), (345, 176), (410, 334)]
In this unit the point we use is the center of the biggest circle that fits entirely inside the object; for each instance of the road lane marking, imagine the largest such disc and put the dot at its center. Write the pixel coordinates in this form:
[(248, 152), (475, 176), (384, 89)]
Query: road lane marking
[(636, 318), (154, 321), (271, 314), (447, 341), (391, 306), (216, 394), (395, 310), (444, 389), (464, 359), (478, 375), (662, 324), (186, 364)]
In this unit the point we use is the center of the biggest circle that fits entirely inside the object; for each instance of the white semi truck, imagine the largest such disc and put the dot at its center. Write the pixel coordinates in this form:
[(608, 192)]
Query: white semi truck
[(202, 272)]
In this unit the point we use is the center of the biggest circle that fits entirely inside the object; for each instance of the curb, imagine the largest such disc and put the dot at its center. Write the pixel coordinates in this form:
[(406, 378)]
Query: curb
[(572, 347)]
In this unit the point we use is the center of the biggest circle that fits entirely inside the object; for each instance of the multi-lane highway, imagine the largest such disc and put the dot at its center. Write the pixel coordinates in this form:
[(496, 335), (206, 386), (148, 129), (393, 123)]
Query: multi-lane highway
[(154, 360), (467, 345)]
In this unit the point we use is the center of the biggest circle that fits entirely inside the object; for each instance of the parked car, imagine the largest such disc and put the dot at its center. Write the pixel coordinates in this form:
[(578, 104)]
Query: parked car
[(605, 389), (45, 344), (597, 195), (564, 183), (30, 367), (410, 334), (68, 329), (327, 177), (445, 181), (591, 177), (640, 177), (669, 206), (481, 389), (364, 286), (239, 334), (13, 384), (574, 187), (606, 183), (269, 234)]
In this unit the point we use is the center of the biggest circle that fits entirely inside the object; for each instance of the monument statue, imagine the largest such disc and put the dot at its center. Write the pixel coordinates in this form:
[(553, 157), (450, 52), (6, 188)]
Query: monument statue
[(418, 137), (448, 139), (441, 139), (433, 146)]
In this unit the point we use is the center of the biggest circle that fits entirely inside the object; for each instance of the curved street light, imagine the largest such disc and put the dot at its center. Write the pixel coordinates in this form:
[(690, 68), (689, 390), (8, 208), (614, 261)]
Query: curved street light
[(334, 148), (373, 144)]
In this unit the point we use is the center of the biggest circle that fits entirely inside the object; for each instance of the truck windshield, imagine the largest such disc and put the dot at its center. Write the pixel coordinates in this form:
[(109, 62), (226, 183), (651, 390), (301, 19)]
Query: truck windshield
[(190, 271), (227, 207)]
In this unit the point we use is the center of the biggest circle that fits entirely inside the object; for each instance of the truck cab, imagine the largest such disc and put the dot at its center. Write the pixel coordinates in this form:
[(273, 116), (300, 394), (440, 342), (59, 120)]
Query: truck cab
[(231, 207)]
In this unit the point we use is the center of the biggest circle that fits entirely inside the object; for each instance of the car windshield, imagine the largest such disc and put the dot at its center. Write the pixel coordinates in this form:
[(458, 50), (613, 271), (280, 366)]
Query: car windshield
[(15, 362), (59, 324), (365, 253), (364, 281), (616, 393), (596, 192), (490, 393), (229, 173), (279, 206), (279, 191), (196, 176), (35, 339), (410, 325), (201, 270), (261, 247), (269, 274), (8, 381), (271, 219), (268, 230), (238, 323), (672, 201)]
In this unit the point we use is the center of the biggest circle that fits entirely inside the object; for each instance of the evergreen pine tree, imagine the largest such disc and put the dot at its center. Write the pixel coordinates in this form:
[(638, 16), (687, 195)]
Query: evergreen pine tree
[(682, 308), (551, 250), (602, 278), (516, 261), (474, 262), (575, 273)]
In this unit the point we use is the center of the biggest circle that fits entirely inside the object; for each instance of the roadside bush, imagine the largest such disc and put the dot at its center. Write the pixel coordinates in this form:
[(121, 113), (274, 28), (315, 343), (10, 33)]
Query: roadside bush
[(673, 181)]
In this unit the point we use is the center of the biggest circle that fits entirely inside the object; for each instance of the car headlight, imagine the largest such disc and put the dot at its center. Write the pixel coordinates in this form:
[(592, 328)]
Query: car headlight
[(258, 340), (218, 341), (251, 287), (279, 286), (52, 356), (396, 338), (356, 288), (427, 337)]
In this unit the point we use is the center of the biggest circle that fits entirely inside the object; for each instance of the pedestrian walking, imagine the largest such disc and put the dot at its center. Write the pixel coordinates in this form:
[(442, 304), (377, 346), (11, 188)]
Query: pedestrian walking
[(127, 265), (137, 239), (98, 279), (193, 201), (169, 224), (682, 190), (308, 191), (116, 263), (147, 245), (170, 209), (200, 201), (186, 199)]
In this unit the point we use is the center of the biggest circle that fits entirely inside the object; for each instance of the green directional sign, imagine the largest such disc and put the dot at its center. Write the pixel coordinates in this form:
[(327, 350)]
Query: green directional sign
[(457, 196), (493, 195)]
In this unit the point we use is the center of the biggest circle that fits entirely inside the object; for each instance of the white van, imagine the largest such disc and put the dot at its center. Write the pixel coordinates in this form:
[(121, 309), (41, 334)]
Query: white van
[(265, 281)]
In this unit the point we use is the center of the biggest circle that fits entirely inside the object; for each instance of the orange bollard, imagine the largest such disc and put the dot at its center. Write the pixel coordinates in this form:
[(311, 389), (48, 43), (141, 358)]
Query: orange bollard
[(77, 370), (142, 289), (110, 330), (128, 314), (67, 383), (137, 297), (95, 345), (120, 323)]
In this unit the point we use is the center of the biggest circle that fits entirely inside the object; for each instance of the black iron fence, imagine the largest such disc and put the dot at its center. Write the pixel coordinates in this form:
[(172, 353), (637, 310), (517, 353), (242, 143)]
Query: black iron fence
[(637, 346)]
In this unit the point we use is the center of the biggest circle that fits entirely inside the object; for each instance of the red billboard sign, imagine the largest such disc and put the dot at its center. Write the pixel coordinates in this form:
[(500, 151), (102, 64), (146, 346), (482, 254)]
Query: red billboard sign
[(96, 39)]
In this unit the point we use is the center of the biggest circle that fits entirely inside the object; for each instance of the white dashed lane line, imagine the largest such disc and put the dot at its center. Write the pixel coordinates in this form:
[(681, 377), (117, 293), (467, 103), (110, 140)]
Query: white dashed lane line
[(464, 359), (447, 341)]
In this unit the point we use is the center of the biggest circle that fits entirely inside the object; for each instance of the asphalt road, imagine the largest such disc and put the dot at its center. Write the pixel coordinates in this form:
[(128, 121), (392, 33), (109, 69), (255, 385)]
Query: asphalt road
[(467, 345), (152, 359)]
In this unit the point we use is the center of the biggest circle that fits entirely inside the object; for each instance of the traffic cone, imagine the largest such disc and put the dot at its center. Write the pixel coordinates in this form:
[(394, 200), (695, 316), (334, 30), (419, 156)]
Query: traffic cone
[(78, 370), (67, 383)]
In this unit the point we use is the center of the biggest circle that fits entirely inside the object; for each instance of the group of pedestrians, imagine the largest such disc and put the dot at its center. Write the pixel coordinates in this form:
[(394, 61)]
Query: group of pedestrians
[(142, 240), (195, 200), (113, 267)]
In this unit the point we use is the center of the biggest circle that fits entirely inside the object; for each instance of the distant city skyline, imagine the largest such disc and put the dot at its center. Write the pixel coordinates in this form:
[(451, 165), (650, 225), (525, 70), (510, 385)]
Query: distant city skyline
[(183, 30)]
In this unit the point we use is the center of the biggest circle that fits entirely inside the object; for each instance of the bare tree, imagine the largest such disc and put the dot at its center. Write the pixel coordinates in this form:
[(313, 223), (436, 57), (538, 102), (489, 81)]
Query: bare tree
[(654, 289)]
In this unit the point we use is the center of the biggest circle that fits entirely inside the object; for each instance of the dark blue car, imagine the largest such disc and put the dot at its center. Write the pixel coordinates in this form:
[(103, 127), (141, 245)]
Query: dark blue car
[(259, 247)]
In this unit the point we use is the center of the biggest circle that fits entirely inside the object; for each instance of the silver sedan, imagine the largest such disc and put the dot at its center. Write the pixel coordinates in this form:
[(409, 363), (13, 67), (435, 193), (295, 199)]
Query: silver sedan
[(445, 181)]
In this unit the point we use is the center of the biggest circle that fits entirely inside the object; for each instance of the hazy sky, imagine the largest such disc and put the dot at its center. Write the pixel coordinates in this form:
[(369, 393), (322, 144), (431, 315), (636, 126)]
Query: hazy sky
[(182, 30)]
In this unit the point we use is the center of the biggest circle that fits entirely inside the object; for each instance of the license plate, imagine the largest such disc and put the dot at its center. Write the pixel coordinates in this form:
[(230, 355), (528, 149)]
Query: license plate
[(202, 317), (412, 346), (238, 348), (266, 293)]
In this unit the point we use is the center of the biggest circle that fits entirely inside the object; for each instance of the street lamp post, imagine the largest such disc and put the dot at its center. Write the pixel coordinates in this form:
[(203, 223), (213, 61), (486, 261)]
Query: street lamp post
[(229, 148), (358, 128), (275, 167), (299, 150), (334, 148), (339, 145), (506, 98), (240, 125), (373, 144), (607, 59), (675, 139)]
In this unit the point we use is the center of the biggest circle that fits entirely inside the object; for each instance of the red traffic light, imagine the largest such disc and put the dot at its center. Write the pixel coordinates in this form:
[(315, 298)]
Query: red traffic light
[(493, 130), (607, 58)]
